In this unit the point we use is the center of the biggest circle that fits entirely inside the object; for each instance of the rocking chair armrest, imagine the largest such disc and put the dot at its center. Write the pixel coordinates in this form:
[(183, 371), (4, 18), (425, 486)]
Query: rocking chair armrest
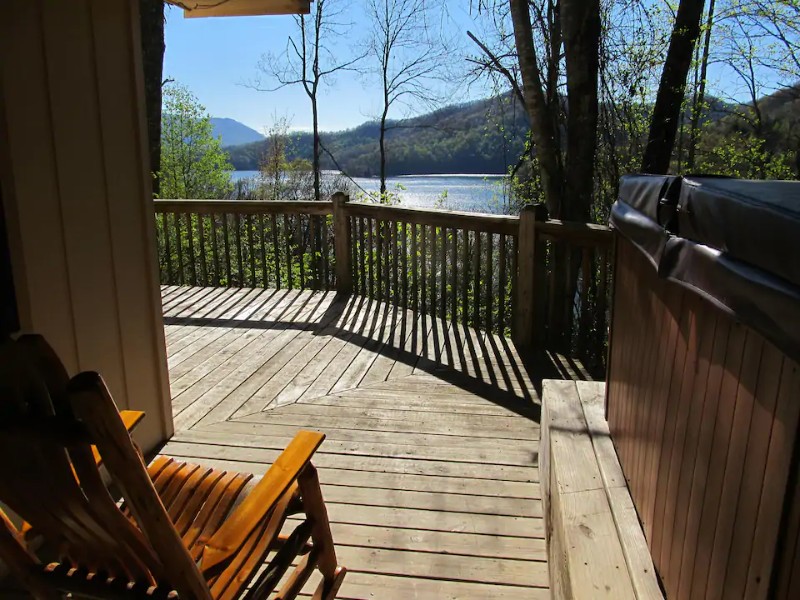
[(278, 478), (131, 418)]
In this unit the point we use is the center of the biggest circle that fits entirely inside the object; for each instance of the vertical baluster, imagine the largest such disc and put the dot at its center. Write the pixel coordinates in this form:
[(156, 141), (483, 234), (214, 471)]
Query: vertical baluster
[(190, 242), (434, 267), (179, 247), (414, 270), (443, 270), (602, 298), (239, 250), (167, 249), (201, 238), (423, 295), (502, 283), (465, 278), (514, 276), (301, 249), (454, 269), (395, 299), (227, 247), (287, 238), (262, 243), (404, 258), (163, 264), (585, 314), (312, 236), (326, 265), (489, 280), (276, 253), (215, 250), (370, 257), (551, 291), (386, 262), (362, 275), (251, 248), (353, 223), (380, 225), (476, 278)]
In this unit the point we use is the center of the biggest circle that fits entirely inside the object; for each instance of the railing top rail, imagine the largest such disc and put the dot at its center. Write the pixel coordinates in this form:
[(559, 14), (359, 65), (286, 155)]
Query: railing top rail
[(256, 207), (436, 217), (580, 234)]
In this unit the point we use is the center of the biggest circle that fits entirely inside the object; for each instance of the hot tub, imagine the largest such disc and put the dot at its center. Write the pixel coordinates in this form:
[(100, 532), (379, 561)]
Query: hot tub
[(703, 390)]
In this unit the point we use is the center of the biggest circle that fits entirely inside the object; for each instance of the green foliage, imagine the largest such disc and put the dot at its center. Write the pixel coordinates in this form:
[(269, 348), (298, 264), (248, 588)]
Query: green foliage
[(744, 156), (193, 164), (233, 250)]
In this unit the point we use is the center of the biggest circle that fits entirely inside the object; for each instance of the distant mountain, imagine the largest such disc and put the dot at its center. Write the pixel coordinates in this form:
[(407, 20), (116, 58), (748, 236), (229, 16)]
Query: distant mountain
[(234, 133), (484, 136)]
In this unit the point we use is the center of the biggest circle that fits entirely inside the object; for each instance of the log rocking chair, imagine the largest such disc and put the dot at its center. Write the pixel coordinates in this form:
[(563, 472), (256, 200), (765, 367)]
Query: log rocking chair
[(180, 531)]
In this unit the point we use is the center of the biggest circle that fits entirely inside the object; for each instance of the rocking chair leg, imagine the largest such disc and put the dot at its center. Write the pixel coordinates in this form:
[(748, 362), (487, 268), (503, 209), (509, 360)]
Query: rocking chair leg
[(320, 529), (327, 590)]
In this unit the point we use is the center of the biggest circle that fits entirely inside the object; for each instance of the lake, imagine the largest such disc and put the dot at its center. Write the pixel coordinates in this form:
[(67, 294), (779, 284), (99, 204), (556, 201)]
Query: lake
[(473, 193)]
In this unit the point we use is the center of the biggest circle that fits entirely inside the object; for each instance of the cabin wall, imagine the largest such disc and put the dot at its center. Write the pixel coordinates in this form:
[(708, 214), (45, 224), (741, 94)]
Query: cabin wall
[(704, 416), (77, 195)]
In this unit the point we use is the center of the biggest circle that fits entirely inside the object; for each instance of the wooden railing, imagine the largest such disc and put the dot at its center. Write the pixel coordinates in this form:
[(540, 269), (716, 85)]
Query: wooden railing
[(241, 244), (542, 281), (458, 266)]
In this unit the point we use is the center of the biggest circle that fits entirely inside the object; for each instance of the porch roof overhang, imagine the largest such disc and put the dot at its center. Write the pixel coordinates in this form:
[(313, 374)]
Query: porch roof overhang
[(241, 8)]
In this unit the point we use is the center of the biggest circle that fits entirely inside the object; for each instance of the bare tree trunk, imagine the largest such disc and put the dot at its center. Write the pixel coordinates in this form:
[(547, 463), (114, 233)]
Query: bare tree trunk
[(580, 22), (581, 26), (543, 130), (671, 89), (383, 153), (315, 158), (152, 30), (701, 90)]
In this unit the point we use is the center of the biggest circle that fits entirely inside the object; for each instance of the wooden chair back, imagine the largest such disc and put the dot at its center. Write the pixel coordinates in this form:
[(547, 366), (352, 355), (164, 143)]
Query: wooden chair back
[(49, 477)]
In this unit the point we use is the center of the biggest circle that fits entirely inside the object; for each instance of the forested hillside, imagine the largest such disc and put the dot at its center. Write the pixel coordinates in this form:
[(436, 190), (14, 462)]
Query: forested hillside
[(486, 136)]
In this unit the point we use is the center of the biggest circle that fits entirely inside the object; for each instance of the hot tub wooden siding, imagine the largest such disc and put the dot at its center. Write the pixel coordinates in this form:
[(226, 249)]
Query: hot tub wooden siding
[(704, 415)]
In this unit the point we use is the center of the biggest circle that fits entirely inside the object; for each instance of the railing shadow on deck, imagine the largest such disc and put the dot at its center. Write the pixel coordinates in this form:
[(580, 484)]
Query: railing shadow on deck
[(480, 363)]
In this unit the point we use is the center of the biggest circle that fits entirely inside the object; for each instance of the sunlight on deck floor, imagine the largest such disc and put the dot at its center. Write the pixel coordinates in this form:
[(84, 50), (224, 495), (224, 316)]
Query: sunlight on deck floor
[(429, 469)]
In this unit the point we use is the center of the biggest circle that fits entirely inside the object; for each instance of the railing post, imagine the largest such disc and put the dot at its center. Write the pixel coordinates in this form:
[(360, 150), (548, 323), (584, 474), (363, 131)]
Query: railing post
[(527, 330), (341, 244)]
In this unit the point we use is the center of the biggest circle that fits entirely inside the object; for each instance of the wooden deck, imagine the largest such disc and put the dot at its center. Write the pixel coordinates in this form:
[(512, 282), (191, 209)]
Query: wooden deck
[(430, 464)]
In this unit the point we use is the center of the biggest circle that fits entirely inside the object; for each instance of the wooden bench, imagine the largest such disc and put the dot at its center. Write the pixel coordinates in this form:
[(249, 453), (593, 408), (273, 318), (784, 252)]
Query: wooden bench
[(596, 546)]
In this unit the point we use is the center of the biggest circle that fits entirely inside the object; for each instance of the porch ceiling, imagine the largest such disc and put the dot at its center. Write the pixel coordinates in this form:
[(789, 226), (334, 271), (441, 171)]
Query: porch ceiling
[(241, 8), (430, 467)]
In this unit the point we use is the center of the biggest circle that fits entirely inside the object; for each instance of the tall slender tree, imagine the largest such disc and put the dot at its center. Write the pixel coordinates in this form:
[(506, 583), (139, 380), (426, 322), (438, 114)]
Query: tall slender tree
[(309, 60), (406, 57), (151, 17), (698, 104), (672, 88)]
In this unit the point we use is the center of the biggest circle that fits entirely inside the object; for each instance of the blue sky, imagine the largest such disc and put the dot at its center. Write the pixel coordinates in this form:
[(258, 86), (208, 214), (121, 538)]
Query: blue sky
[(214, 57)]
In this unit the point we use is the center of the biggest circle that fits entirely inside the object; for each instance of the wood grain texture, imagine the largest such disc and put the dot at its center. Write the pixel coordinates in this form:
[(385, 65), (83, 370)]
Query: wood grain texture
[(596, 544), (698, 413), (429, 470)]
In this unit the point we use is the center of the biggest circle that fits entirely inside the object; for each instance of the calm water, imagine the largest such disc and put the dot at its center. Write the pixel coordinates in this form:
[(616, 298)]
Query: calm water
[(474, 193)]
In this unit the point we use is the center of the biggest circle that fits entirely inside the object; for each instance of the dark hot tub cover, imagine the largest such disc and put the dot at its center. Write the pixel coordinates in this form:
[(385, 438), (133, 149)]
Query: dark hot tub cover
[(735, 242)]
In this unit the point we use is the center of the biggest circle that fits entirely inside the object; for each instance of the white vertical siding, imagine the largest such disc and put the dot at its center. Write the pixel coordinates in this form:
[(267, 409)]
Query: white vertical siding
[(74, 173)]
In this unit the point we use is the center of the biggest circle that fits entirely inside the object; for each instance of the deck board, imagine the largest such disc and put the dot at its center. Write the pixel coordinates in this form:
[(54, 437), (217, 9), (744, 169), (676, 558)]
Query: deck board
[(430, 467)]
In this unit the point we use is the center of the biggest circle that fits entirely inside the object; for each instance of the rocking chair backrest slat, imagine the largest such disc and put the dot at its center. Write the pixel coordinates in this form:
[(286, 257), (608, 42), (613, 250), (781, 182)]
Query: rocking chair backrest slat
[(92, 404), (49, 477)]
